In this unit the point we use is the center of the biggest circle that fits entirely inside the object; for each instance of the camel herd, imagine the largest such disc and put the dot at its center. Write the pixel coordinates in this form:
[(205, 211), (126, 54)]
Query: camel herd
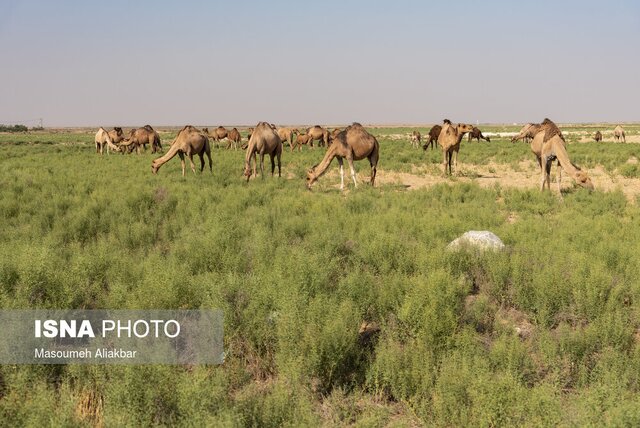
[(352, 143)]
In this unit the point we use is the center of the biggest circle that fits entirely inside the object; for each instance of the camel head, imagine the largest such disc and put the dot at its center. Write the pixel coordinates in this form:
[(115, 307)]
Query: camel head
[(154, 167), (583, 180), (311, 176), (464, 127)]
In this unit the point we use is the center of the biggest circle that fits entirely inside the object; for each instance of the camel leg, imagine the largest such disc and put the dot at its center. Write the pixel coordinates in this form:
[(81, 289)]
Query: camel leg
[(279, 164), (262, 165), (182, 161), (254, 163), (210, 164), (559, 178), (353, 171), (373, 161), (273, 163), (341, 173), (193, 165), (201, 161)]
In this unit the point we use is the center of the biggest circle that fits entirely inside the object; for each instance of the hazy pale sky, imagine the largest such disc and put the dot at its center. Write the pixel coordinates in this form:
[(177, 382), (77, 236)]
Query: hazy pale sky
[(86, 63)]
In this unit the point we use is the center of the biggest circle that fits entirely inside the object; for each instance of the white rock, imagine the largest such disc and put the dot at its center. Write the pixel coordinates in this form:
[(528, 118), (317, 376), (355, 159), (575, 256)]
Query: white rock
[(481, 239)]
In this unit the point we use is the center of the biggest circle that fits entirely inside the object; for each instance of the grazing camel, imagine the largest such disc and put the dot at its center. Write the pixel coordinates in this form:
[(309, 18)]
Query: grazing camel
[(415, 139), (553, 146), (302, 139), (477, 134), (189, 141), (333, 134), (598, 136), (354, 143), (264, 140), (618, 134), (219, 134), (142, 137), (526, 133), (434, 132), (109, 139), (287, 134), (449, 139), (318, 133), (234, 138)]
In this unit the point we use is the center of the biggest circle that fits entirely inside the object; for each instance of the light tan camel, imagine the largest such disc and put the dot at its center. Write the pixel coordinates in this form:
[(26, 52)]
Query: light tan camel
[(189, 141), (264, 140), (415, 139), (286, 135), (234, 139), (526, 133), (140, 138), (548, 144), (319, 133), (554, 147), (449, 139), (354, 143), (434, 132), (108, 139), (618, 134)]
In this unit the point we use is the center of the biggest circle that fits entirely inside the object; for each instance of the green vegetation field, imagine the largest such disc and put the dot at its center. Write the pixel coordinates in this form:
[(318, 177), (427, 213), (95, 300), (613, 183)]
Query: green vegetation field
[(545, 333)]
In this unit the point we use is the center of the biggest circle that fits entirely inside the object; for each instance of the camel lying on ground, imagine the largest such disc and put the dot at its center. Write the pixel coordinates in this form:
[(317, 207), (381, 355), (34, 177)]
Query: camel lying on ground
[(140, 138), (415, 139), (354, 143), (449, 139), (477, 134), (618, 134), (189, 141), (264, 140), (434, 132), (109, 139)]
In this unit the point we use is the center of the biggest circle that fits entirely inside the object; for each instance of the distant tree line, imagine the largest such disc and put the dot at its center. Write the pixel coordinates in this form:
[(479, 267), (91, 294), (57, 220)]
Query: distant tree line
[(17, 128)]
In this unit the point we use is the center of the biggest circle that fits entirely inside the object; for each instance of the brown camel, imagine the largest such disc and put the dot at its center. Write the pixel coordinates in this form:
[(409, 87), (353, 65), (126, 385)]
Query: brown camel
[(415, 139), (319, 133), (598, 136), (264, 140), (449, 139), (286, 135), (526, 133), (142, 137), (354, 143), (477, 134), (219, 134), (234, 139), (109, 139), (302, 139), (434, 132), (618, 134), (189, 141)]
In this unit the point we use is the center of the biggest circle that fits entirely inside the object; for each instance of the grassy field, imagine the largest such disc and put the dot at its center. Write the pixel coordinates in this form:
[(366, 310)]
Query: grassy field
[(545, 333)]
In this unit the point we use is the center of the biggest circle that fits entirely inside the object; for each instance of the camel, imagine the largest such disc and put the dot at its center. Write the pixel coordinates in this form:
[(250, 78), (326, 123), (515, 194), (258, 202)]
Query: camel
[(319, 133), (434, 132), (598, 136), (142, 137), (449, 139), (109, 139), (477, 134), (618, 134), (302, 139), (287, 134), (553, 146), (189, 141), (415, 139), (354, 143), (219, 134), (264, 140), (547, 144), (234, 138)]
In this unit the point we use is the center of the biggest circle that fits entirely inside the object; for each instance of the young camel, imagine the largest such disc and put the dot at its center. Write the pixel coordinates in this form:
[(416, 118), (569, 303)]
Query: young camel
[(354, 143), (449, 139), (415, 139), (264, 140), (190, 141)]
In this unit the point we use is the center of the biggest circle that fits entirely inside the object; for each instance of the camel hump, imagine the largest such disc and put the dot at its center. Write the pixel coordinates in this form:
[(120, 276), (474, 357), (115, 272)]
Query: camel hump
[(550, 130), (356, 124), (148, 128)]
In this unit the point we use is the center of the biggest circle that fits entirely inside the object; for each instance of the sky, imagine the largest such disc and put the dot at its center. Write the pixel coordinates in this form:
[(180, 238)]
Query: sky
[(167, 63)]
